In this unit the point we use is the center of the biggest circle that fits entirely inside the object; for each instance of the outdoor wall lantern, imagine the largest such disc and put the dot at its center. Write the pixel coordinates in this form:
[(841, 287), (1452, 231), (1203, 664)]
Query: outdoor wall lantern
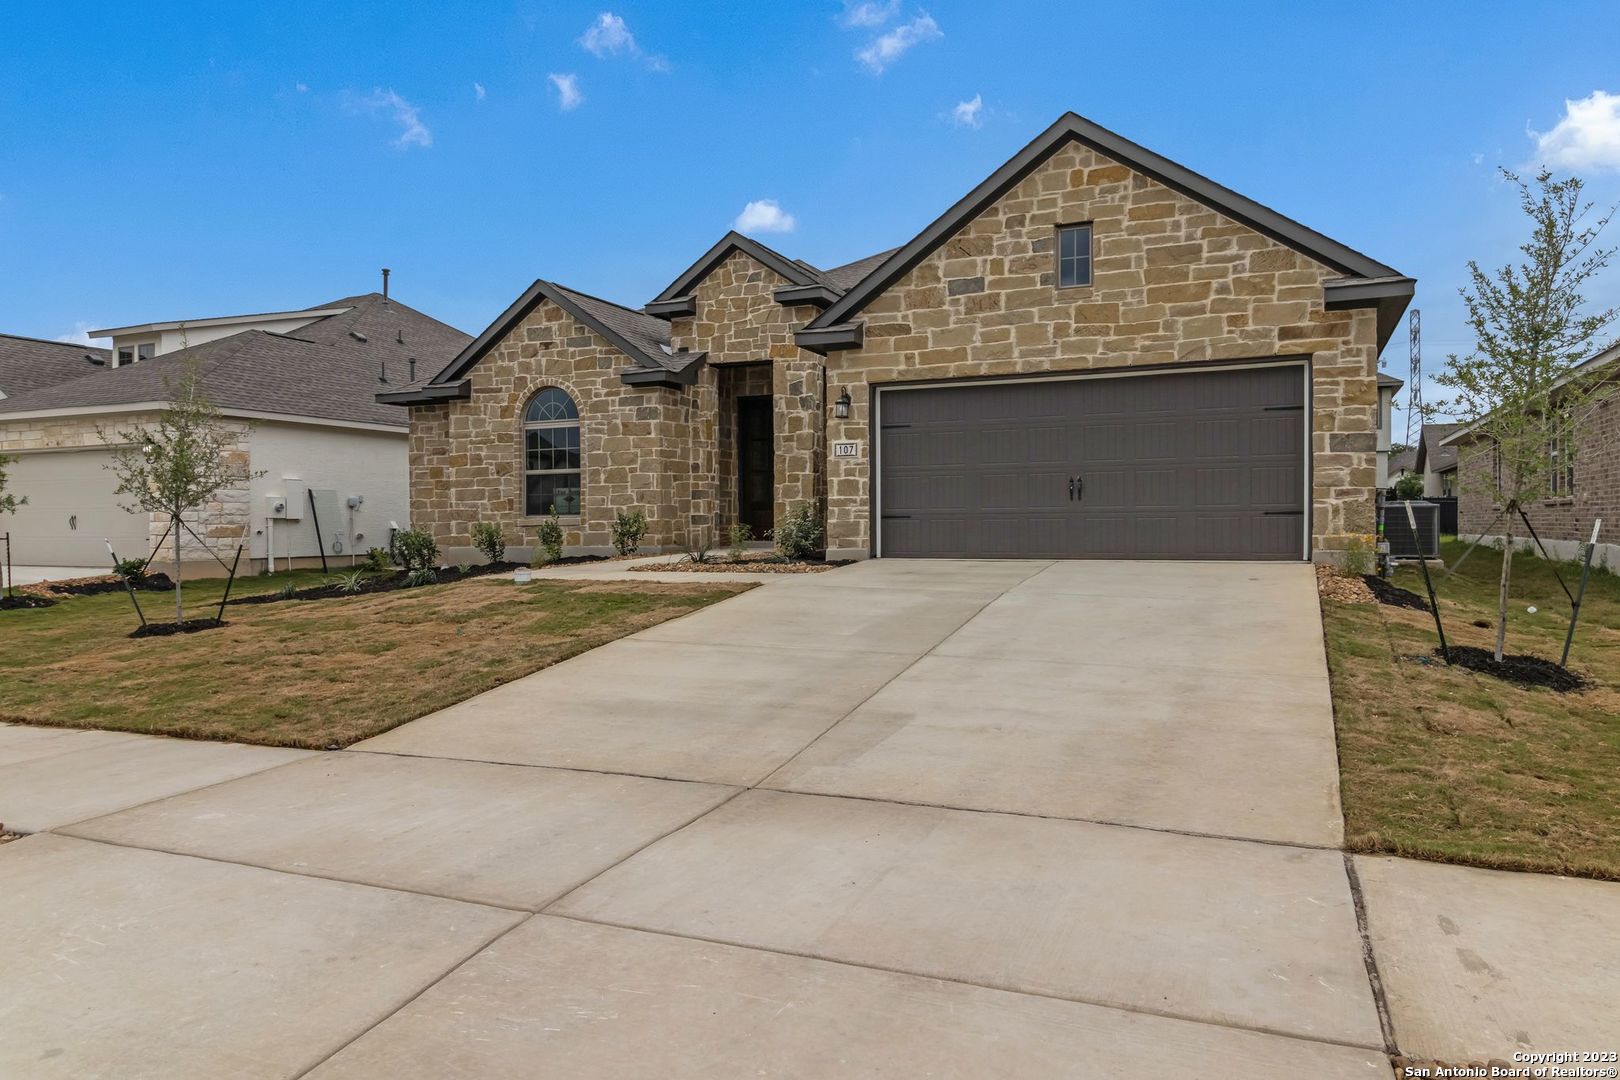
[(841, 406)]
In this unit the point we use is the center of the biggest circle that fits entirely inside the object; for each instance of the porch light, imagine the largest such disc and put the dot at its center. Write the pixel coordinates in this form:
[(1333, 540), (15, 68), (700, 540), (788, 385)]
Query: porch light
[(841, 406)]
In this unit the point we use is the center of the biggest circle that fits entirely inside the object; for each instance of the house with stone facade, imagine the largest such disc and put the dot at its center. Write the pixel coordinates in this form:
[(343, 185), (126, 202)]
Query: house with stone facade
[(324, 465), (1096, 352)]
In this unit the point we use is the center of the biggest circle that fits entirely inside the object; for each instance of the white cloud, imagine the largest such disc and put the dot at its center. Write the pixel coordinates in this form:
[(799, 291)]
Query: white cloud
[(569, 95), (882, 51), (302, 88), (412, 132), (763, 216), (609, 36), (81, 336), (967, 113), (868, 12), (1587, 137), (478, 91)]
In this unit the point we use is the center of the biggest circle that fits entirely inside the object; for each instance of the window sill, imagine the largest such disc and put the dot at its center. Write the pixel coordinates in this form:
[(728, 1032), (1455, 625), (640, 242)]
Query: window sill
[(562, 519), (1569, 501)]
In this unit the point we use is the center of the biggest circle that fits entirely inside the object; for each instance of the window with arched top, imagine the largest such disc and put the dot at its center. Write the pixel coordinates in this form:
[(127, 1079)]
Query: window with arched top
[(551, 454)]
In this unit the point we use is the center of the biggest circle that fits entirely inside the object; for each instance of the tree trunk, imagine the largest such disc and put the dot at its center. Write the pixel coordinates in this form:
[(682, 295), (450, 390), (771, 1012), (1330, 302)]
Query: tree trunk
[(179, 609), (1502, 590)]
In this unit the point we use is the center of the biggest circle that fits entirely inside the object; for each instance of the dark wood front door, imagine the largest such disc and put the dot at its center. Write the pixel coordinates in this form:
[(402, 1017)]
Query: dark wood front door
[(756, 463)]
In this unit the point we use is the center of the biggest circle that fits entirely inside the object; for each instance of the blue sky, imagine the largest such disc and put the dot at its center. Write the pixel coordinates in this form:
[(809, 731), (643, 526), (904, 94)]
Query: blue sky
[(183, 160)]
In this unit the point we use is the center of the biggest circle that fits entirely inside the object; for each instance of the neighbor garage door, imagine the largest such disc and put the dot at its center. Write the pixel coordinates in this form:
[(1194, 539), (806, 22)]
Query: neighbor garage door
[(71, 509), (1184, 465)]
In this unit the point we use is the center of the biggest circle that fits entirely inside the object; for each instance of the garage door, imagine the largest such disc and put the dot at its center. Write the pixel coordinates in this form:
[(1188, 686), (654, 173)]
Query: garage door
[(71, 508), (1185, 465)]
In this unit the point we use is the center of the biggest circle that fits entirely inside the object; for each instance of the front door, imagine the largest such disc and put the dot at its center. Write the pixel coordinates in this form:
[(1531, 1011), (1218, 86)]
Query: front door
[(756, 463)]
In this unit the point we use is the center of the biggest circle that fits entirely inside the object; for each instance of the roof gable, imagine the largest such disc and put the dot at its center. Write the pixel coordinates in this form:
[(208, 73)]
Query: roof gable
[(795, 272), (1072, 128)]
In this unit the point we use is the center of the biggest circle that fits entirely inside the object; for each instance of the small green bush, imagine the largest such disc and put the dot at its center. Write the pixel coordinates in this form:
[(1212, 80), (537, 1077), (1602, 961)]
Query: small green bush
[(801, 535), (287, 591), (132, 570), (377, 561), (699, 551), (628, 529), (741, 533), (1358, 556), (416, 549), (551, 537), (351, 582), (422, 575), (1409, 486), (488, 538)]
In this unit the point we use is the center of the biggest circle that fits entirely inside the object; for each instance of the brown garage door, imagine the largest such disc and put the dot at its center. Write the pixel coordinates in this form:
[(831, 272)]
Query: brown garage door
[(1187, 465)]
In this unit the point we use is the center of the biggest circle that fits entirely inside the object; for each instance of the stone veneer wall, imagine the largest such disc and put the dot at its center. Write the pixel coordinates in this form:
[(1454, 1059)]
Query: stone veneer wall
[(222, 523), (739, 321), (639, 447), (1172, 280)]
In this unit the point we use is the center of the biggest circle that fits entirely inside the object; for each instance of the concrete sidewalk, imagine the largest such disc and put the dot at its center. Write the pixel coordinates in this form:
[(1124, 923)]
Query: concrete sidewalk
[(902, 818)]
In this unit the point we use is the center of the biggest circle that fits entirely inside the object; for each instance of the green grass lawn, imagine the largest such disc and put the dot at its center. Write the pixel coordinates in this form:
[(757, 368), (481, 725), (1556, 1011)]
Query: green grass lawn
[(309, 673), (1443, 763)]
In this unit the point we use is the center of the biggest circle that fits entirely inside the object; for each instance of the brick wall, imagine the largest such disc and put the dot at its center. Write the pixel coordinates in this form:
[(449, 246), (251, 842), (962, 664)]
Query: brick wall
[(1172, 281)]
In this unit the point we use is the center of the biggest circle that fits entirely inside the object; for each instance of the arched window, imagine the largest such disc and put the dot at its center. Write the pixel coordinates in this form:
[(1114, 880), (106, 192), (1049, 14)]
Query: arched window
[(551, 454)]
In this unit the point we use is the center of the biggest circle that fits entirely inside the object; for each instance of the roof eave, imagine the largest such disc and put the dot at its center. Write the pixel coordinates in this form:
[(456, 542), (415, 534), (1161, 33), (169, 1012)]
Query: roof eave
[(734, 241), (818, 295), (673, 379), (672, 309), (826, 339), (1390, 295), (431, 394)]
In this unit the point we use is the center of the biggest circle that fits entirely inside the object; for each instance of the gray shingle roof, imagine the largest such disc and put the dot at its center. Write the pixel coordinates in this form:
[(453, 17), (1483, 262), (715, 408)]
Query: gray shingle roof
[(1430, 454), (33, 363), (845, 277), (328, 370), (1402, 461), (649, 335)]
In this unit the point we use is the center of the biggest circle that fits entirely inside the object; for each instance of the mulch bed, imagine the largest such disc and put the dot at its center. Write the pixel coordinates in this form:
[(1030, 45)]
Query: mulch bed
[(168, 629), (93, 586), (378, 583), (1520, 669), (1393, 595), (25, 600), (748, 564)]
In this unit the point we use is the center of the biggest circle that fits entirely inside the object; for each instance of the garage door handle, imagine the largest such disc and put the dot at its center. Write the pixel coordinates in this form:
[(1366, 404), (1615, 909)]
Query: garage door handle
[(1282, 513)]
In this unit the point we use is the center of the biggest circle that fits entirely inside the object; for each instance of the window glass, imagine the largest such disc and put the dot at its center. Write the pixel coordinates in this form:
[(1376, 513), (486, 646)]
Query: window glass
[(1074, 256), (551, 455)]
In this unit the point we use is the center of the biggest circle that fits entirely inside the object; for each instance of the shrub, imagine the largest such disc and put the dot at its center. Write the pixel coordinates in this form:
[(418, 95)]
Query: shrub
[(422, 575), (1358, 556), (488, 538), (377, 561), (551, 537), (351, 582), (801, 535), (132, 570), (287, 591), (741, 533), (1409, 486), (416, 549), (628, 529), (698, 551)]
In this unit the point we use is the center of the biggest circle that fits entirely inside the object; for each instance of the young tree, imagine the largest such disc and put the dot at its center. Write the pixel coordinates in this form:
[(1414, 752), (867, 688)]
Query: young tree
[(179, 465), (8, 501), (1519, 391)]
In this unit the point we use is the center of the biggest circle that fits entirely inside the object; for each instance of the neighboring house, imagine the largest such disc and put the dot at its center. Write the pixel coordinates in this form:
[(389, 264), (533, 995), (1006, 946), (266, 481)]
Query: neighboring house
[(1388, 386), (301, 400), (1585, 478), (33, 364), (1436, 460), (1095, 353), (1402, 463)]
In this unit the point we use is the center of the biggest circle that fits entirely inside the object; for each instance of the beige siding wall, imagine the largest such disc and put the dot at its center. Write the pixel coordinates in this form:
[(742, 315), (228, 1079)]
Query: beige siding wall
[(1173, 282)]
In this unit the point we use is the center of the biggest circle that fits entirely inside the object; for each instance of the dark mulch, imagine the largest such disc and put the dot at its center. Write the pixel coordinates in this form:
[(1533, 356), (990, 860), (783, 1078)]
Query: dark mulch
[(24, 600), (378, 583), (166, 629), (1394, 595), (95, 586), (576, 560), (1523, 670)]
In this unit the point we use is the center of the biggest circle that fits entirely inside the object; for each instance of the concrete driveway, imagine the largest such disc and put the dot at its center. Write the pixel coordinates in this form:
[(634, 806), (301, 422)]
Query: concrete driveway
[(905, 818)]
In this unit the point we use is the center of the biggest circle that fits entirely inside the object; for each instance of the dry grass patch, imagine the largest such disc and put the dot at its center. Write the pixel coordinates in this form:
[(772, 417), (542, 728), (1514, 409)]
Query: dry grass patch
[(1444, 763), (318, 673)]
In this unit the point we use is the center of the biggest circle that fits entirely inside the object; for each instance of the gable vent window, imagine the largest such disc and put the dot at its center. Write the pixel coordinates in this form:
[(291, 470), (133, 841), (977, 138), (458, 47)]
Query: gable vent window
[(126, 355), (551, 454), (1074, 256)]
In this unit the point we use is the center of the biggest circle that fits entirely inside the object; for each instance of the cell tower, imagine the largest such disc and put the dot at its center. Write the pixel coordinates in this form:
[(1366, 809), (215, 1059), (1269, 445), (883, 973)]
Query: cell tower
[(1414, 381)]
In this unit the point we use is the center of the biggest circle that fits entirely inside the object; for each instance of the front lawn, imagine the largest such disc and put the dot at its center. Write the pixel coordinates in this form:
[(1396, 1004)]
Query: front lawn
[(316, 674), (1443, 763)]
